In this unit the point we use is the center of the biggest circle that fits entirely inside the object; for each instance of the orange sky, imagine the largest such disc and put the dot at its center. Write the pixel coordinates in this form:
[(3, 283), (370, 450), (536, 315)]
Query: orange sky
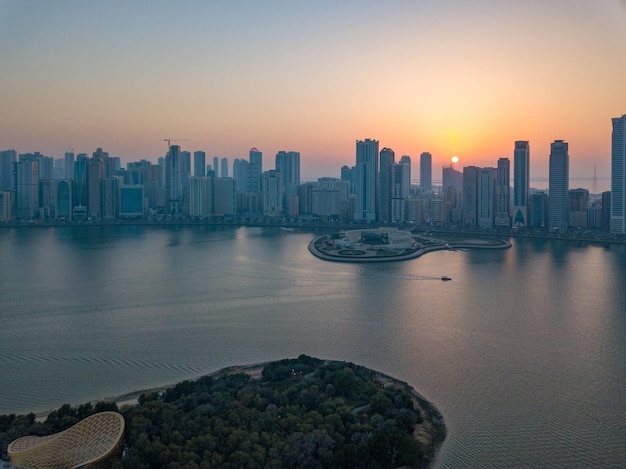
[(448, 77)]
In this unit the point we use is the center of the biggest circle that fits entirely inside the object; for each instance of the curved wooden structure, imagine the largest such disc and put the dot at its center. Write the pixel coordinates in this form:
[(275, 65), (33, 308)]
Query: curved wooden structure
[(89, 444)]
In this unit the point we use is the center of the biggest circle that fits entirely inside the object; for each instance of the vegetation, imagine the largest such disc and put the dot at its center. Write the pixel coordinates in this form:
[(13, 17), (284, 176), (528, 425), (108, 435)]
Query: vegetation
[(301, 412)]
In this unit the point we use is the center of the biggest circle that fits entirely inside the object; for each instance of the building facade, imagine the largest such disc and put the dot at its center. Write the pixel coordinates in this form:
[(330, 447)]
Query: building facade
[(365, 180), (618, 175), (558, 188)]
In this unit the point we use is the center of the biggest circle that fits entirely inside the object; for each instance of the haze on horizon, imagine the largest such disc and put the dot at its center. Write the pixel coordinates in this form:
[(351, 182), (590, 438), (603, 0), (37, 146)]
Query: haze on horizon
[(448, 77)]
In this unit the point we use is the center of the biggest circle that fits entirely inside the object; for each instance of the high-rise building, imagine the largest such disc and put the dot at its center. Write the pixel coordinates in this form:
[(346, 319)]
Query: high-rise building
[(558, 186), (173, 180), (224, 196), (365, 177), (26, 201), (95, 175), (538, 210), (470, 196), (400, 188), (81, 169), (577, 206), (216, 169), (7, 158), (272, 189), (224, 168), (385, 181), (521, 182), (426, 172), (201, 196), (503, 196), (241, 175), (485, 200), (288, 165), (255, 170), (199, 163), (618, 175)]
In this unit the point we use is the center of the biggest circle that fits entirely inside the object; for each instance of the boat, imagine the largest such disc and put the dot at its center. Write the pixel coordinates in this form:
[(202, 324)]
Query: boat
[(443, 277)]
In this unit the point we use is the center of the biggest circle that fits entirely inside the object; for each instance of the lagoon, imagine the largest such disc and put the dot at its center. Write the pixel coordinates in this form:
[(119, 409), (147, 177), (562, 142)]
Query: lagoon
[(523, 352)]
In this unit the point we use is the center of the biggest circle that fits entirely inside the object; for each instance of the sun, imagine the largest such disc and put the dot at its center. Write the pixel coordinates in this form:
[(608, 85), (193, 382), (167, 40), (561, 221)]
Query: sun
[(455, 159)]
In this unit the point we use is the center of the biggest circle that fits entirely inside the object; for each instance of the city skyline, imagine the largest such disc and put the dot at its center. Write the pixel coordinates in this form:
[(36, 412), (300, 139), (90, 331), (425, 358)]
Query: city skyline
[(446, 78)]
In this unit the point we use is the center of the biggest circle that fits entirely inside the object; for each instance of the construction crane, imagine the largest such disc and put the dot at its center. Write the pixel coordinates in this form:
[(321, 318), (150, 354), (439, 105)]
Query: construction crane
[(169, 140)]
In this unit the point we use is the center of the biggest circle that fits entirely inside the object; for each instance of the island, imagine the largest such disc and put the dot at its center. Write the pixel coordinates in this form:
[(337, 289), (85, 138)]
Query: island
[(300, 412), (386, 244)]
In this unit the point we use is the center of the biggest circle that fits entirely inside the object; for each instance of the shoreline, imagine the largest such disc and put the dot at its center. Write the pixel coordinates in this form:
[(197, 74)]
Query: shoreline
[(431, 433)]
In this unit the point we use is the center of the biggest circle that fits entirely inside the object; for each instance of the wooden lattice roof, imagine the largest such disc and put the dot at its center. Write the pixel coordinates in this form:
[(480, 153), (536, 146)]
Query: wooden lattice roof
[(89, 441)]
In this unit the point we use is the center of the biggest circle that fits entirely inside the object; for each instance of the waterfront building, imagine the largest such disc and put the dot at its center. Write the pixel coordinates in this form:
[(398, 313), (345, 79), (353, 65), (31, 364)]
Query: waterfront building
[(81, 170), (538, 210), (7, 158), (365, 178), (63, 202), (470, 196), (453, 178), (385, 178), (558, 186), (426, 172), (26, 200), (200, 196), (485, 199), (255, 170), (224, 167), (199, 163), (605, 222), (577, 205), (224, 196), (503, 193), (111, 197), (131, 201), (618, 175), (272, 189), (400, 188), (174, 180), (287, 163), (216, 170), (521, 182), (95, 175)]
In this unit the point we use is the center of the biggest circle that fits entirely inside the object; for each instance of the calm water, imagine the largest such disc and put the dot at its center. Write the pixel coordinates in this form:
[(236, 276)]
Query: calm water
[(524, 352)]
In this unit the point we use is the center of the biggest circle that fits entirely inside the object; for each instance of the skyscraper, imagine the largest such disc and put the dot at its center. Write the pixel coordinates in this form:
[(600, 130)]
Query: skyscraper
[(558, 186), (69, 165), (485, 197), (366, 170), (224, 168), (387, 160), (400, 188), (216, 169), (618, 175), (470, 196), (426, 172), (199, 163), (7, 158), (521, 184), (255, 170), (503, 196), (173, 180)]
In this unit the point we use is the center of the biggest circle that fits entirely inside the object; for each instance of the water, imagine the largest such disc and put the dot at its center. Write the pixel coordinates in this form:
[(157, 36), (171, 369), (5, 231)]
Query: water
[(523, 352)]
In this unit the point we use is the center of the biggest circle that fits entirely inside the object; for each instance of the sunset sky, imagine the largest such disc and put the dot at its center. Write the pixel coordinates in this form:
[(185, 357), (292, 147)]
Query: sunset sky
[(464, 78)]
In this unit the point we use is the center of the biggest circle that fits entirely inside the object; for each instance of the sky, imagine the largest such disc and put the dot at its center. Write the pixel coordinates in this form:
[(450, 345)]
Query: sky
[(450, 77)]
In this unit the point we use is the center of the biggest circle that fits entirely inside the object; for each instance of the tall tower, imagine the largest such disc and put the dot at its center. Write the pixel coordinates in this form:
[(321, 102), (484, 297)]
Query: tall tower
[(618, 175), (470, 196), (558, 186), (224, 167), (366, 170), (387, 160), (426, 172), (69, 165), (199, 163), (503, 197), (400, 188), (173, 180), (485, 197), (521, 184), (255, 170)]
